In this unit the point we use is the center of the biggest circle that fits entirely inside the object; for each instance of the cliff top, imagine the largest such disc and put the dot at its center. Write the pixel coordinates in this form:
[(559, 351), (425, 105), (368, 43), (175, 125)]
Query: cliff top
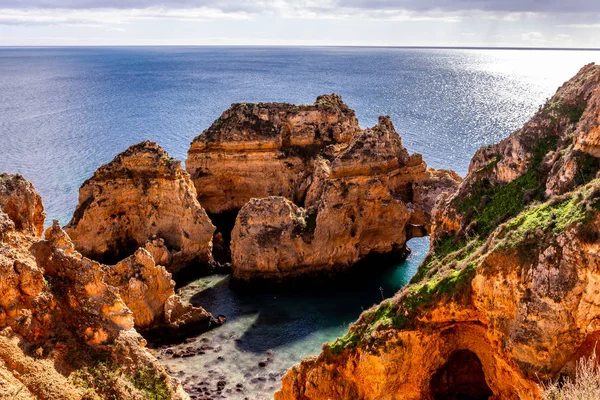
[(268, 121), (145, 159), (380, 143)]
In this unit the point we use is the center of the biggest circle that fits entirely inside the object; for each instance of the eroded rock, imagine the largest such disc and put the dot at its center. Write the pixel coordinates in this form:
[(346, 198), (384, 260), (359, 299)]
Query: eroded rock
[(142, 195), (22, 204), (508, 290), (65, 333), (361, 203), (265, 149)]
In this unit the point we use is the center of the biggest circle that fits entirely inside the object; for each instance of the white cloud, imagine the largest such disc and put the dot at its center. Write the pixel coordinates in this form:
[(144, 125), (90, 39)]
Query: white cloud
[(580, 26), (101, 17), (536, 37)]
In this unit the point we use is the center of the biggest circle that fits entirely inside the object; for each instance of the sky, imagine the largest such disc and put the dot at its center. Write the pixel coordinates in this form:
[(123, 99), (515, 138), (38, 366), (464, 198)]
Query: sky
[(486, 23)]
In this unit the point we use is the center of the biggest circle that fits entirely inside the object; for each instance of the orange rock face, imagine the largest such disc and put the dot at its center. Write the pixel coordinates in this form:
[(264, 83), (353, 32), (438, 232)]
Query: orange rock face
[(507, 296), (20, 202), (360, 203), (142, 195), (265, 149), (149, 292), (65, 332)]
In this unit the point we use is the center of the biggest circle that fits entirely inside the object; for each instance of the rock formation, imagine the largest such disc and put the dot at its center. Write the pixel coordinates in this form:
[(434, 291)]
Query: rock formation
[(361, 202), (149, 292), (508, 295), (315, 192), (65, 333), (22, 204), (142, 196), (265, 149)]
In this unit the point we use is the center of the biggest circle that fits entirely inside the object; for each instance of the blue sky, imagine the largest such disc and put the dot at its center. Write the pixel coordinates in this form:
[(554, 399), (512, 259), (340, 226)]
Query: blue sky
[(512, 23)]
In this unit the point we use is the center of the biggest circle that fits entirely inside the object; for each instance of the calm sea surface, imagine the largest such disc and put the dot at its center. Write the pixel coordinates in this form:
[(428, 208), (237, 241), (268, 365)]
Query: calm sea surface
[(66, 111)]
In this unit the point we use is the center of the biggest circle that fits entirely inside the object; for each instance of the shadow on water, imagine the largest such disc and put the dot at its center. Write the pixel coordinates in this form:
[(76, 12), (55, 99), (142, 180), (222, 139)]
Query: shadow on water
[(285, 317)]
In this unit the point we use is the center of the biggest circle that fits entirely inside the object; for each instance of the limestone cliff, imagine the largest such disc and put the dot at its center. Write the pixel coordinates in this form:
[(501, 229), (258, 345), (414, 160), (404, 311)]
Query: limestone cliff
[(65, 333), (22, 204), (361, 202), (149, 292), (143, 195), (265, 149), (508, 295)]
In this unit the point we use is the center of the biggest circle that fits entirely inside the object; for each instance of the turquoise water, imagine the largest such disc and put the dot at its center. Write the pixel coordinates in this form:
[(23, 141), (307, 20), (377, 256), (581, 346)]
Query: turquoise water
[(276, 328)]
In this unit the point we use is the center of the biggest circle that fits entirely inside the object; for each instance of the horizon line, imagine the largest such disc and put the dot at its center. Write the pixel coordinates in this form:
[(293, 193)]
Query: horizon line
[(314, 46)]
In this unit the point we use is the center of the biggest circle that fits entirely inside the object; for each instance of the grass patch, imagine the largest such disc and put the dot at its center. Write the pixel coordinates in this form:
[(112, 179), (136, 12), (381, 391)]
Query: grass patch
[(552, 217), (448, 285), (152, 385), (349, 340), (489, 205)]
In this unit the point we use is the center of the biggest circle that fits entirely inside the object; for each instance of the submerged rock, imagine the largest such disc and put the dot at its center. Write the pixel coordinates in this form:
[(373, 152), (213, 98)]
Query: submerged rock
[(142, 195), (507, 296)]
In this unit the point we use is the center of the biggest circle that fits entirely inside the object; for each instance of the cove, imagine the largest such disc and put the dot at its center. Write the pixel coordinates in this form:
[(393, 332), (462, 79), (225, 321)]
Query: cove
[(268, 332)]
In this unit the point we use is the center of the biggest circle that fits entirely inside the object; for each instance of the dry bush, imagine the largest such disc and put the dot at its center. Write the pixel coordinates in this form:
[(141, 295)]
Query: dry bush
[(586, 385)]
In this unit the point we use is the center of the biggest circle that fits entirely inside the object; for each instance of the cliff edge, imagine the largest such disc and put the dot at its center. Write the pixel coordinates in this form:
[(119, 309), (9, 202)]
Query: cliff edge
[(508, 295)]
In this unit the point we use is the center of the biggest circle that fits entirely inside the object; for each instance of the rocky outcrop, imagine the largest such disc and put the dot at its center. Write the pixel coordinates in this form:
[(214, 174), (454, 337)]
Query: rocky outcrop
[(540, 160), (149, 292), (65, 333), (507, 296), (142, 195), (362, 202), (265, 149), (20, 202)]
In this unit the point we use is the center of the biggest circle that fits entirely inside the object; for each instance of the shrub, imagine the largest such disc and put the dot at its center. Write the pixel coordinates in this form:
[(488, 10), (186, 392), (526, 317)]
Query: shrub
[(586, 384)]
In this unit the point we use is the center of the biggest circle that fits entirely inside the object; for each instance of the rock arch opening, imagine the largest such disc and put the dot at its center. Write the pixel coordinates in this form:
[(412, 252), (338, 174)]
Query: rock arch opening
[(461, 377), (224, 223)]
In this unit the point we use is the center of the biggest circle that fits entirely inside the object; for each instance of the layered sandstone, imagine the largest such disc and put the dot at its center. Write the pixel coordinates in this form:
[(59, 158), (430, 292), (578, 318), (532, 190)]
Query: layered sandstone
[(65, 333), (265, 149), (142, 196), (507, 296), (362, 202)]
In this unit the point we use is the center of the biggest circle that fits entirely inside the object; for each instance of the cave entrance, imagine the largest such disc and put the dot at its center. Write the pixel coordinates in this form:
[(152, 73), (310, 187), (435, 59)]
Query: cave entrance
[(461, 378), (224, 222)]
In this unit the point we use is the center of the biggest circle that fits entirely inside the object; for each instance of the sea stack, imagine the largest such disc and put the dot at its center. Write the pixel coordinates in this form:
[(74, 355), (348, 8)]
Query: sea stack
[(142, 197), (316, 193)]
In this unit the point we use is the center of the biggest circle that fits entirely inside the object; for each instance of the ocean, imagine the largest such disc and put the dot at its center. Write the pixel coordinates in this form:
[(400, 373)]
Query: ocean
[(66, 111)]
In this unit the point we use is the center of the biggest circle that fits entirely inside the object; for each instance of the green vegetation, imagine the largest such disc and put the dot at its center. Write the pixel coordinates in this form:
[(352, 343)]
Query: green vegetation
[(152, 385), (447, 284), (489, 205), (349, 340), (573, 111), (490, 165), (552, 217), (102, 378), (449, 251), (587, 167)]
